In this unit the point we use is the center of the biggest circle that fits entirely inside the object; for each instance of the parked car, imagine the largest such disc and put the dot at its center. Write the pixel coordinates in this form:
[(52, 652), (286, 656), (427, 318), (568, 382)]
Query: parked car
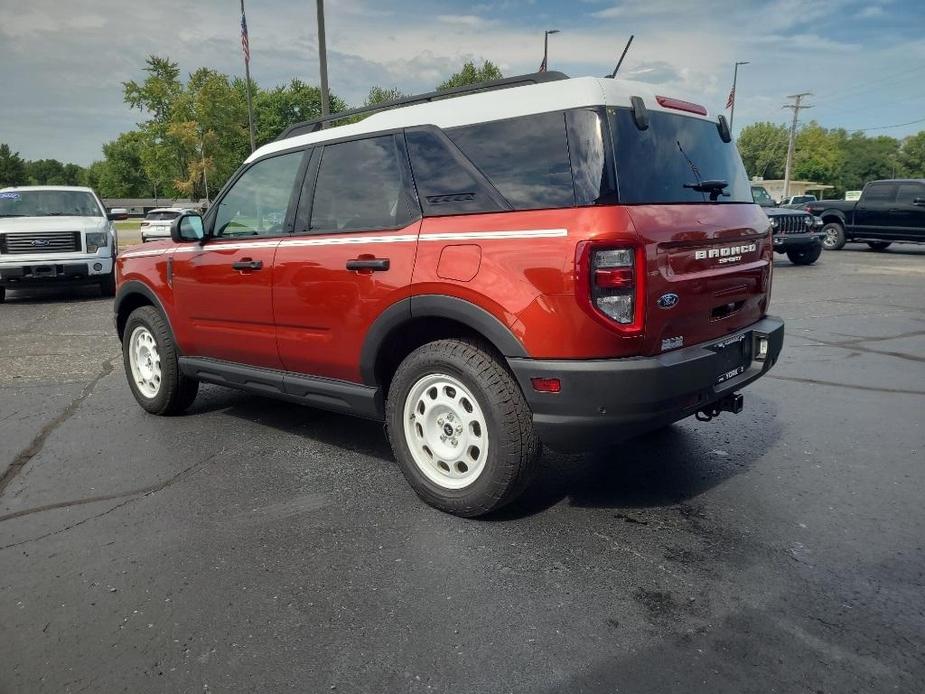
[(796, 233), (567, 262), (55, 235), (796, 202), (887, 211), (761, 197), (156, 224)]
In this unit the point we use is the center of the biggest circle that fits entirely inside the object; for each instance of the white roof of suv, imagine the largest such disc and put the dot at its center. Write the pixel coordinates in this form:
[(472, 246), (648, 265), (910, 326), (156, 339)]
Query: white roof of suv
[(492, 105)]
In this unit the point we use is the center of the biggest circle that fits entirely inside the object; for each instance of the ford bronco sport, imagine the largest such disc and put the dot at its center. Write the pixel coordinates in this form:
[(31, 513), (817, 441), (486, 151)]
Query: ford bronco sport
[(55, 235), (554, 261)]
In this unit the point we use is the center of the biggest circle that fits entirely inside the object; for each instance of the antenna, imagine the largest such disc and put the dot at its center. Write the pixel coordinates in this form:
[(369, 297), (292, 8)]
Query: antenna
[(622, 56)]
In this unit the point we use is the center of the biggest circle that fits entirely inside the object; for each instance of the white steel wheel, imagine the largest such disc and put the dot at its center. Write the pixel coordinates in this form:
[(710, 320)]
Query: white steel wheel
[(145, 362), (446, 431)]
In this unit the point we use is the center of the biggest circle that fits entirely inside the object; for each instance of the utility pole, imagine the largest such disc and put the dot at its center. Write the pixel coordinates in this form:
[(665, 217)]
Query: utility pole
[(796, 106), (323, 61), (735, 77)]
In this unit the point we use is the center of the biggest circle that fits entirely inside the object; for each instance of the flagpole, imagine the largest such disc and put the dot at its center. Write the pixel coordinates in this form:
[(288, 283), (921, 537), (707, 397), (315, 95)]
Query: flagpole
[(735, 76), (247, 77)]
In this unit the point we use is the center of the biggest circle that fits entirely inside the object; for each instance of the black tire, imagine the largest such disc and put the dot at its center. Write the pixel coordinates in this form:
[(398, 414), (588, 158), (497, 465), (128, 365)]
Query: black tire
[(2, 294), (879, 245), (804, 256), (176, 391), (108, 284), (835, 238), (512, 445)]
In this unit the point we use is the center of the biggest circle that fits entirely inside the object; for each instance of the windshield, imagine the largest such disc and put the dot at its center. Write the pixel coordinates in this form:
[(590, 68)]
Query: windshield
[(677, 159), (48, 203), (159, 216), (761, 196)]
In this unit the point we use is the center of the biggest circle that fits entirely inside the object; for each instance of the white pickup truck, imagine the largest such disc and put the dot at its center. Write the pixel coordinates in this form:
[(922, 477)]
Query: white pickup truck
[(55, 234)]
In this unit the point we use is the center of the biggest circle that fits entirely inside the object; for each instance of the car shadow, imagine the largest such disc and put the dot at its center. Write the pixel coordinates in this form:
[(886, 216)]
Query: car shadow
[(663, 468), (896, 248), (57, 295)]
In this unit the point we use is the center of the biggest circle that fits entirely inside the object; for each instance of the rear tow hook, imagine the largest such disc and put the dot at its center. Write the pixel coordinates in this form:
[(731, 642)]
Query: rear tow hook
[(731, 403)]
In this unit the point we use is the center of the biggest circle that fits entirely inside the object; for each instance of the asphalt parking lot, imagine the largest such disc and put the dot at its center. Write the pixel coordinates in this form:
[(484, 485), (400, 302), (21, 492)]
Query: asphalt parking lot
[(258, 546)]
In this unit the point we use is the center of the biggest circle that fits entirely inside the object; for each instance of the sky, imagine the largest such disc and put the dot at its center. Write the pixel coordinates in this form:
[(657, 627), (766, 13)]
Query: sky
[(62, 64)]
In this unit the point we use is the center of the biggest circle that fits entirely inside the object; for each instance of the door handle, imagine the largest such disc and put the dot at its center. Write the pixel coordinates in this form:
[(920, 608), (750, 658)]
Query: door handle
[(247, 264), (371, 264)]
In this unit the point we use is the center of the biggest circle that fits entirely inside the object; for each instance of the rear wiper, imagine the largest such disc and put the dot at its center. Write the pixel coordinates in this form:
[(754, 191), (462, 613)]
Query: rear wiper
[(713, 187)]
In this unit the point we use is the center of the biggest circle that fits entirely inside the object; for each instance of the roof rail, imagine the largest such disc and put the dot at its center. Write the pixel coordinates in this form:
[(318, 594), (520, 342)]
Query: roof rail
[(311, 126)]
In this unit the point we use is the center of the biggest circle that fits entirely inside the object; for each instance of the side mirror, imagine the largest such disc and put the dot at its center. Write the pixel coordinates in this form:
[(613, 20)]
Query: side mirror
[(117, 214), (186, 228)]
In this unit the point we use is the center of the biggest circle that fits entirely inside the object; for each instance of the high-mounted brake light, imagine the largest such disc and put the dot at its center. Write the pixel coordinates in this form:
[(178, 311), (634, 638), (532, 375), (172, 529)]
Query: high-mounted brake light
[(610, 285), (679, 105)]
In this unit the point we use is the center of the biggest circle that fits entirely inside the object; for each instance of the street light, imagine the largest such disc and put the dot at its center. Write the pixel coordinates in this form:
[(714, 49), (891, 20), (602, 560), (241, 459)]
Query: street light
[(545, 65)]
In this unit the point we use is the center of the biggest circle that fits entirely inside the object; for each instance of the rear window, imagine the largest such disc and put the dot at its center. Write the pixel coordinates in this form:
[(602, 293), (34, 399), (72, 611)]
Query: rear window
[(654, 165), (161, 216)]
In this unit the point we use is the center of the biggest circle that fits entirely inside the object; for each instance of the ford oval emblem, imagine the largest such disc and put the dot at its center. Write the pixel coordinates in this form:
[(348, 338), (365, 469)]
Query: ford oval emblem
[(669, 300)]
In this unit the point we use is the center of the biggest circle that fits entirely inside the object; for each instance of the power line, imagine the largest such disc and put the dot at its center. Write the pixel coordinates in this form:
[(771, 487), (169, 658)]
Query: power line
[(886, 127)]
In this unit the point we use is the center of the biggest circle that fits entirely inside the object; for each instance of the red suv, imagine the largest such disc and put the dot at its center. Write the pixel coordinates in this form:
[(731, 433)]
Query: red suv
[(542, 260)]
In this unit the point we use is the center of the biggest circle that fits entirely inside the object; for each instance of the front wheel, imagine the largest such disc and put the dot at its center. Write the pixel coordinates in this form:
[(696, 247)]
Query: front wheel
[(150, 359), (879, 245), (834, 237), (804, 256), (460, 428)]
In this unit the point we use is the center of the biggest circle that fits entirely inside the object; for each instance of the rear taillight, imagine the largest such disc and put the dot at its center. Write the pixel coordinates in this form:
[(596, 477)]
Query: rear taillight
[(610, 285)]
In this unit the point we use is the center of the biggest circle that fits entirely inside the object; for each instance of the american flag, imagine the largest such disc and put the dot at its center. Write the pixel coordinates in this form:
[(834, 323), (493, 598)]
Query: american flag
[(730, 102), (542, 66), (244, 43)]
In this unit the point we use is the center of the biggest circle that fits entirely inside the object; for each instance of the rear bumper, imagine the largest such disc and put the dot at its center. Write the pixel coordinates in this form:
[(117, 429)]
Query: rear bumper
[(53, 271), (608, 400), (786, 242)]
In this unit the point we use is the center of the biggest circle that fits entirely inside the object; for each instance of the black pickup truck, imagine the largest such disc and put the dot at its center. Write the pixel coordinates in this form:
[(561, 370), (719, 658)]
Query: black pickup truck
[(888, 211)]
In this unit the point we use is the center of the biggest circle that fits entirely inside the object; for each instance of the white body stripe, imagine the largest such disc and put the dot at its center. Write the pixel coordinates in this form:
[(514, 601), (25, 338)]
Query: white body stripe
[(354, 240)]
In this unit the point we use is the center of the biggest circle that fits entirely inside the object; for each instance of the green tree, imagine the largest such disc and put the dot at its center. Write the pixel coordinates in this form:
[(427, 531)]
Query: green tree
[(470, 74), (866, 159), (818, 154), (378, 95), (285, 105), (51, 172), (763, 147), (12, 167), (121, 174), (911, 156)]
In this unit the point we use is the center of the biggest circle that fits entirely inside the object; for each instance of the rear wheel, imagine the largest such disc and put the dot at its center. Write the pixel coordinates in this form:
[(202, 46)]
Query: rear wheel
[(804, 256), (460, 428), (834, 236), (2, 294), (150, 359), (879, 245)]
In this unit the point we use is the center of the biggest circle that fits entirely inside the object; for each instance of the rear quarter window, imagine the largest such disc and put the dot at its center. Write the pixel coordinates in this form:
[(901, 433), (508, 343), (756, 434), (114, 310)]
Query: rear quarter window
[(653, 165), (525, 158)]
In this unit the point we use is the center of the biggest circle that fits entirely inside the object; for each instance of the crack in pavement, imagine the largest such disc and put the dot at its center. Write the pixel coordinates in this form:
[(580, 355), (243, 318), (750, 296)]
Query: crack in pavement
[(815, 382), (852, 345), (135, 495), (35, 447)]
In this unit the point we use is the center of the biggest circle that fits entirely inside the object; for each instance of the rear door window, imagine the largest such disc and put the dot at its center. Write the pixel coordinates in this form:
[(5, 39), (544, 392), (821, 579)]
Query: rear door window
[(655, 165), (525, 158), (908, 192), (363, 185)]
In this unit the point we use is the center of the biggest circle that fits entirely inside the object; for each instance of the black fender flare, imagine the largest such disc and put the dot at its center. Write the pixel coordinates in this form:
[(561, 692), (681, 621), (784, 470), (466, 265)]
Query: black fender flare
[(834, 212), (436, 306), (131, 288)]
